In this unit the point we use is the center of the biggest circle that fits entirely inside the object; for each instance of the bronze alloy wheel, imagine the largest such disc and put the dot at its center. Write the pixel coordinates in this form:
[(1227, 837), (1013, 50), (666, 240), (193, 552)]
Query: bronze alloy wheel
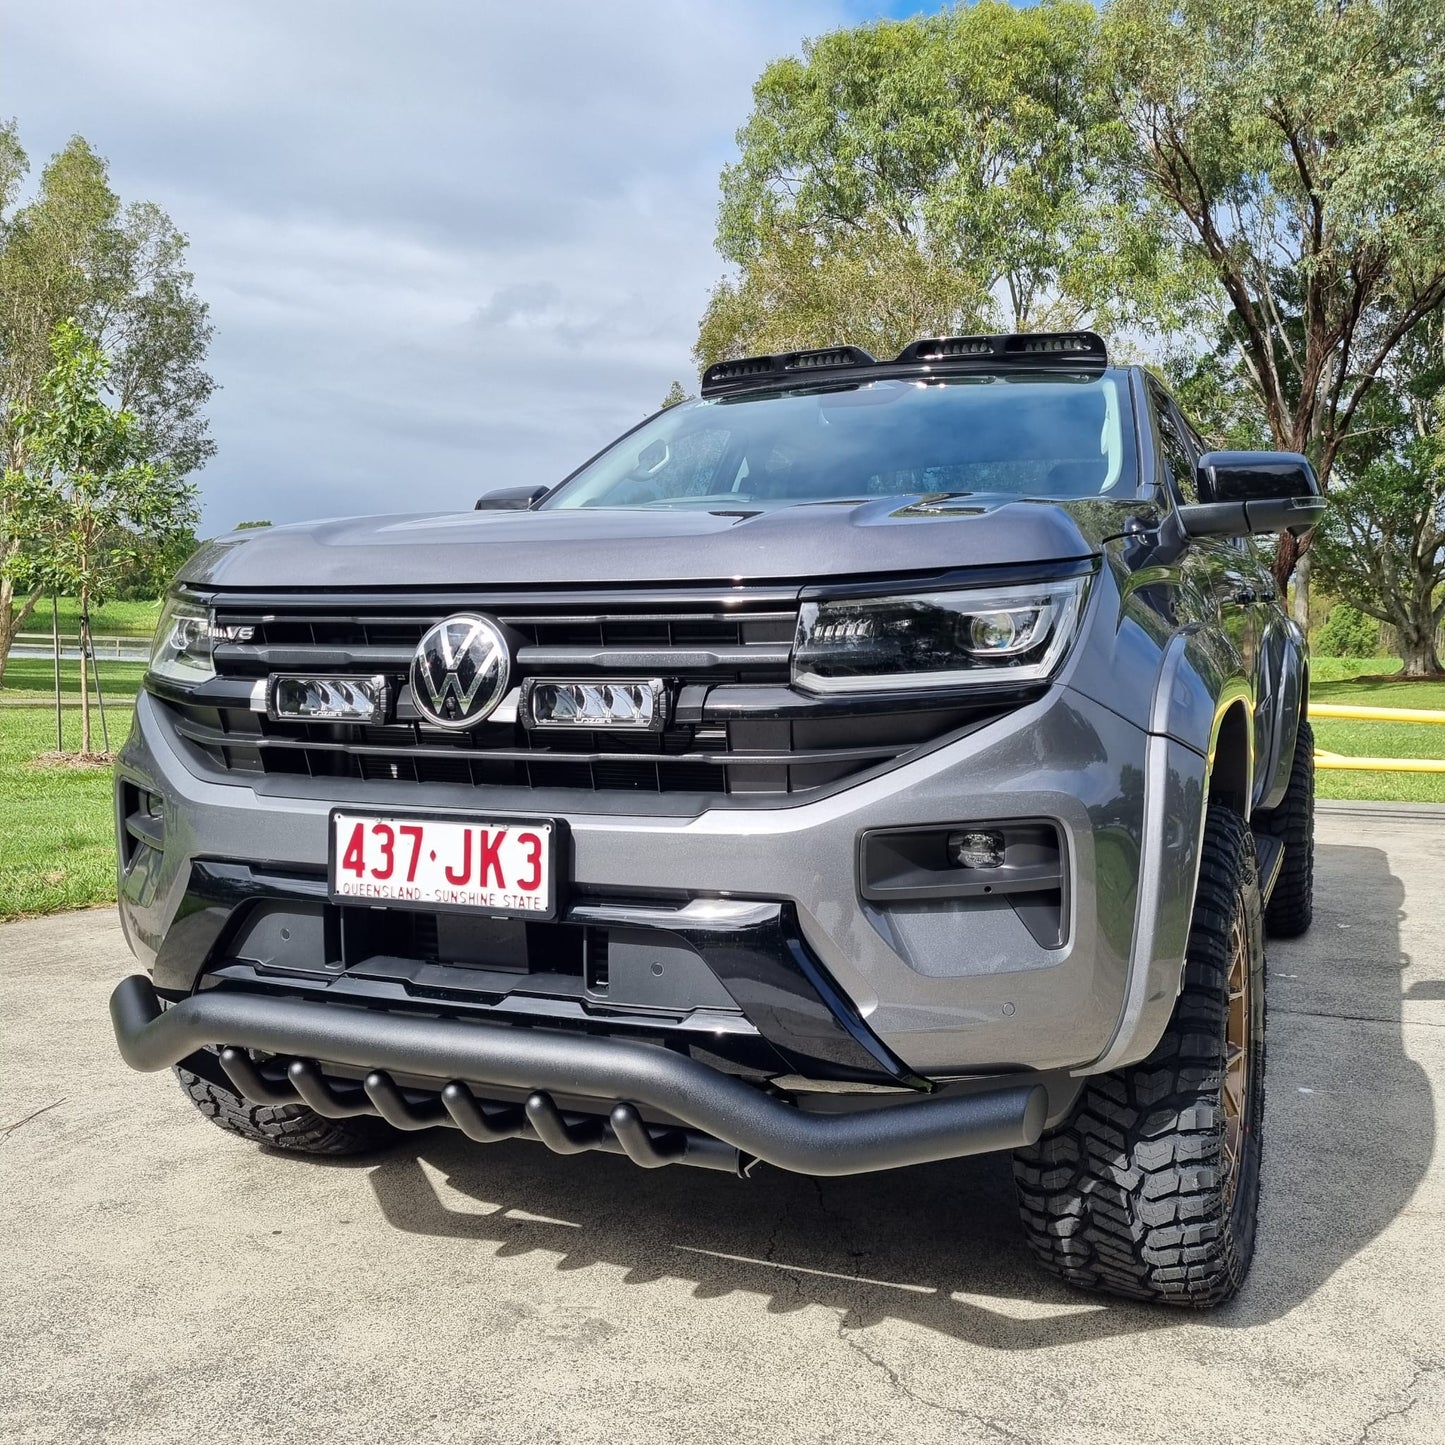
[(1237, 1068)]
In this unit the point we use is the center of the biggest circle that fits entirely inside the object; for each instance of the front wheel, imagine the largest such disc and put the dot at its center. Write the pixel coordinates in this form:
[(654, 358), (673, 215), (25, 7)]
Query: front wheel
[(1151, 1189)]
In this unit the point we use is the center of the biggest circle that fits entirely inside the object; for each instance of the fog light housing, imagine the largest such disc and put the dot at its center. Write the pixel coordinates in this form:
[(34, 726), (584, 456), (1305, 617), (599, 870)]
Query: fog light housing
[(328, 699), (1016, 863), (636, 705), (978, 849)]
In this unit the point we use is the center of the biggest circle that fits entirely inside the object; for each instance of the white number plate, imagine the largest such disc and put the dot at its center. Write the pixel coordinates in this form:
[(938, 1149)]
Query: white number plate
[(494, 866)]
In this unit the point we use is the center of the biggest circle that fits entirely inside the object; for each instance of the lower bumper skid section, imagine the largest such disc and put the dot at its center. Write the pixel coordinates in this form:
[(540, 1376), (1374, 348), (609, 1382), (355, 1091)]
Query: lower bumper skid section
[(721, 1116), (621, 1132)]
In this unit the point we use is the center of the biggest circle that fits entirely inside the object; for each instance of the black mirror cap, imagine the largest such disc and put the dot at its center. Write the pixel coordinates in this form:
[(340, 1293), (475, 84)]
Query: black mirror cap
[(1295, 515), (511, 499), (1254, 477)]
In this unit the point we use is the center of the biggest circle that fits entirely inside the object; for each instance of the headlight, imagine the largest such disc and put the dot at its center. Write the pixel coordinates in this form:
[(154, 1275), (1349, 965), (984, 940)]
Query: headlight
[(182, 647), (937, 639)]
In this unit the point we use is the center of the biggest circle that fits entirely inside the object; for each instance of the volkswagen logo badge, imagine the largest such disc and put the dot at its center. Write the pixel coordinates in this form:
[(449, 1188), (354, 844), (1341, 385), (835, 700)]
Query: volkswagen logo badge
[(460, 671)]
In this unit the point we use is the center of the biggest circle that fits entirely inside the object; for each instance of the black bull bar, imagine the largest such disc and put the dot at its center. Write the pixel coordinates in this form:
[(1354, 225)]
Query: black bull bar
[(725, 1122)]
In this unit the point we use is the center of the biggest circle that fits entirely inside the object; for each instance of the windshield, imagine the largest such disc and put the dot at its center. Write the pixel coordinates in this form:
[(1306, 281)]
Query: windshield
[(1048, 437)]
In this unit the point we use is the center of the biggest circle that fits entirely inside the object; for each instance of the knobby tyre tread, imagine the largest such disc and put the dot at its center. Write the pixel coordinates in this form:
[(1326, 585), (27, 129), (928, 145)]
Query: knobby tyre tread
[(291, 1127), (1291, 908), (1127, 1197)]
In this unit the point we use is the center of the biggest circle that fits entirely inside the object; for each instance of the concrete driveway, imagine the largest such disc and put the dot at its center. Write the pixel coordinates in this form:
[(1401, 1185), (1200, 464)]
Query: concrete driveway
[(162, 1281)]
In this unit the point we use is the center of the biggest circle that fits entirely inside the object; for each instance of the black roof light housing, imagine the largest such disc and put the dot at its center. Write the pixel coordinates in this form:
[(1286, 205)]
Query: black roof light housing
[(784, 369), (1075, 352)]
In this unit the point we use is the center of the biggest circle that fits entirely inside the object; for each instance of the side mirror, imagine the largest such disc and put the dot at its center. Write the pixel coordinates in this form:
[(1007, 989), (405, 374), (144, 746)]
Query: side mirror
[(1241, 493), (511, 499)]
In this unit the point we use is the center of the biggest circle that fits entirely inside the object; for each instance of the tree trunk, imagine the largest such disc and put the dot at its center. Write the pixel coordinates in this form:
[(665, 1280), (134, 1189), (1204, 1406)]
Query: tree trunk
[(84, 672), (12, 619), (1420, 656), (55, 643), (1417, 648), (1301, 604)]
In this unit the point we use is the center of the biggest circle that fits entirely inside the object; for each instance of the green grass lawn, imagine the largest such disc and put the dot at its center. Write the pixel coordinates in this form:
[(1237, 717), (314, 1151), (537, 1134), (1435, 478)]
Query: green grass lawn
[(57, 849), (1345, 669), (34, 678), (115, 619), (57, 840), (1377, 739)]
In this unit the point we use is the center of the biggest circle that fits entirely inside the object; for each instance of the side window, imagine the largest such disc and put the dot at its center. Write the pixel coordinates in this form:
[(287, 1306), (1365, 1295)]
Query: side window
[(1179, 454)]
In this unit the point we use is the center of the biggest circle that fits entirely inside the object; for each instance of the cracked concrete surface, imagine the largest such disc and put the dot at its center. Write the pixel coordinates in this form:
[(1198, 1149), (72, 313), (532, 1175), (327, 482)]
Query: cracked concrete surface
[(163, 1281)]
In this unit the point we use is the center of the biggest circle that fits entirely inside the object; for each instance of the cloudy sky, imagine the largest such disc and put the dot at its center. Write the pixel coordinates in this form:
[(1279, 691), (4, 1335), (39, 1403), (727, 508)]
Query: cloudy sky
[(447, 246)]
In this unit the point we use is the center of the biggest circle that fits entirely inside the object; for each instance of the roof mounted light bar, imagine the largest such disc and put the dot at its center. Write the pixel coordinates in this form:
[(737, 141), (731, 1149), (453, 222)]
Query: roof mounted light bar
[(754, 371), (1072, 351)]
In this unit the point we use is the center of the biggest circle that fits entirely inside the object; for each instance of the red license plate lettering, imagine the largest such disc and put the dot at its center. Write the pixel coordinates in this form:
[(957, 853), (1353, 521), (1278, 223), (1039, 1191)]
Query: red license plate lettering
[(491, 866)]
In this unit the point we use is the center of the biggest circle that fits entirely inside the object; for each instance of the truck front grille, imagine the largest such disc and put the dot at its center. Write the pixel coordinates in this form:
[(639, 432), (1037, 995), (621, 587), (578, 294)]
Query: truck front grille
[(711, 652)]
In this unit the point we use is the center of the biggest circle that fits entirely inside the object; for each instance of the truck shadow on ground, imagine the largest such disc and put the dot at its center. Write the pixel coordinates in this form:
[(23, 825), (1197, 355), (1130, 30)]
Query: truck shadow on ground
[(938, 1246)]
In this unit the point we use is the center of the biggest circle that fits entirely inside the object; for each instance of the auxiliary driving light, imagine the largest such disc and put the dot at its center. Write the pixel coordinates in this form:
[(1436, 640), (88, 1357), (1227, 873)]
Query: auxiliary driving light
[(328, 699), (553, 704), (982, 849)]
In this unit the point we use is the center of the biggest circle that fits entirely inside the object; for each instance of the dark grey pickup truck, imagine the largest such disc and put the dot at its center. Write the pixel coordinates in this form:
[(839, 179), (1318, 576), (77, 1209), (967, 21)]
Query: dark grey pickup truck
[(869, 763)]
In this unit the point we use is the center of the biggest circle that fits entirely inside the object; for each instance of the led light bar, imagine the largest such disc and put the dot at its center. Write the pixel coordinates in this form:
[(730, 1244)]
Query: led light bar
[(328, 699), (1076, 353), (559, 703)]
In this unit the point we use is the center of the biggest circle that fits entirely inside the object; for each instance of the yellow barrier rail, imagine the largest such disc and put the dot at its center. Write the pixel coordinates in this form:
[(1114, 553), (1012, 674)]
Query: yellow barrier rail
[(1346, 713)]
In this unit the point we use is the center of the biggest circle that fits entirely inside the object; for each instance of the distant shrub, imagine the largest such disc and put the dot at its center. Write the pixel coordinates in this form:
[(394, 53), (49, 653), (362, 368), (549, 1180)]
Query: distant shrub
[(1348, 633)]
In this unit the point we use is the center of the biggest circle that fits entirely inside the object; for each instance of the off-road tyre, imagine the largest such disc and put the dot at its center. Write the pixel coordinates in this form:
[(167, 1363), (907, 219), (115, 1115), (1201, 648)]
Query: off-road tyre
[(1134, 1195), (292, 1127), (1291, 906)]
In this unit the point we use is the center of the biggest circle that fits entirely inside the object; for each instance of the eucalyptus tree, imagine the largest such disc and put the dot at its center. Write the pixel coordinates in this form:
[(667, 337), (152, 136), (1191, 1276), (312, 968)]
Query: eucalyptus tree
[(947, 173), (89, 492), (1381, 547), (1294, 153), (73, 252), (1254, 187)]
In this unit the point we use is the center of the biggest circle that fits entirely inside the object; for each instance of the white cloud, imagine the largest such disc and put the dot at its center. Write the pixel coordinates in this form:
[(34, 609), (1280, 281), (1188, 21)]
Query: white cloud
[(447, 246)]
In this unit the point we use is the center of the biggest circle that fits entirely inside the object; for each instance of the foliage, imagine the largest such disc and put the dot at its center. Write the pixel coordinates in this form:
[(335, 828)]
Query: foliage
[(935, 175), (1296, 151), (1348, 633), (88, 491), (1211, 389), (246, 526), (1256, 185), (675, 397), (151, 563), (1382, 545), (870, 287), (73, 252)]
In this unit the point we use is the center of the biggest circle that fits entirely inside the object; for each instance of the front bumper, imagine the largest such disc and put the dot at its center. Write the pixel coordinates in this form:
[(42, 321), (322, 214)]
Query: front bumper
[(948, 988), (724, 1121)]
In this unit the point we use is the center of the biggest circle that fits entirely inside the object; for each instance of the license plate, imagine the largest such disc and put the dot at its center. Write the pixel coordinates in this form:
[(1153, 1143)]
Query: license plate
[(498, 866)]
